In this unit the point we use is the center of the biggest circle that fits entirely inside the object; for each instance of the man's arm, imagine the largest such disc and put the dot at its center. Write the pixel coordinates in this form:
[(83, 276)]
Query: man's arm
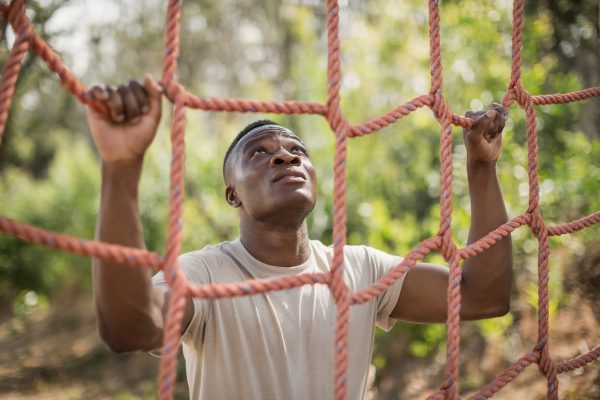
[(487, 277), (129, 308)]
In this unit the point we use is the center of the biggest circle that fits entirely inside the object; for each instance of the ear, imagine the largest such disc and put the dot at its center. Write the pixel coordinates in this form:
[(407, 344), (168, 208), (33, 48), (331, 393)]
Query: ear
[(231, 197)]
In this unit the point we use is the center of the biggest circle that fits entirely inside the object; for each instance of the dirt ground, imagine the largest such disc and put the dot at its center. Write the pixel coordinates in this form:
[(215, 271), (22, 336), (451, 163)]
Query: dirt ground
[(56, 354)]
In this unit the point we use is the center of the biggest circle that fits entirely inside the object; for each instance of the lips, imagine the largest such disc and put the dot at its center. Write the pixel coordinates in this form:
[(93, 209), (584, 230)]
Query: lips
[(290, 175)]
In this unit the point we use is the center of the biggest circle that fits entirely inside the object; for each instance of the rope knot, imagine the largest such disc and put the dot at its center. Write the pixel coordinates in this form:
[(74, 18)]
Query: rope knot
[(537, 223), (448, 248), (338, 123), (173, 90), (18, 19), (520, 94), (546, 365), (439, 108)]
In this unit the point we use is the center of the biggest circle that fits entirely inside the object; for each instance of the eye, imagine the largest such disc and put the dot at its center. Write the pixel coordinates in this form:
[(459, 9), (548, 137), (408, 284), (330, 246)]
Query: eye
[(258, 150), (299, 149)]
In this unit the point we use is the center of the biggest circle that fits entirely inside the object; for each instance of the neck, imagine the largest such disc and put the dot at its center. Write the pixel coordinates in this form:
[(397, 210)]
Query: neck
[(283, 246)]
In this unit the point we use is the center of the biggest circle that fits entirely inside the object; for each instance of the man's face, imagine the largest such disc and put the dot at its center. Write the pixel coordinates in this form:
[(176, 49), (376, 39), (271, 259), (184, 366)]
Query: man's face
[(271, 177)]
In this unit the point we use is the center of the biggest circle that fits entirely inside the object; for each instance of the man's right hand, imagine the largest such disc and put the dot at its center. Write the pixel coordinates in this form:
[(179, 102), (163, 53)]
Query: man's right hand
[(134, 113), (130, 310)]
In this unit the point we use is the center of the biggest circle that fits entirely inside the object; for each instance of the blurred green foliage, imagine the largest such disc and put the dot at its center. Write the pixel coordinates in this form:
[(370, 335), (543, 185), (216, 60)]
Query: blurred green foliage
[(276, 50)]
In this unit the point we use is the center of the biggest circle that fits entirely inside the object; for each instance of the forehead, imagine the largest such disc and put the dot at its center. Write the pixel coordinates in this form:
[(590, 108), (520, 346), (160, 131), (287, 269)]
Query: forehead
[(266, 132)]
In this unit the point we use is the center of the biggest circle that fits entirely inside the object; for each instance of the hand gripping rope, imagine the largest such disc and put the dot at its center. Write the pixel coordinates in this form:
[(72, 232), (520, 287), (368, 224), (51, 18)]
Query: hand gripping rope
[(27, 39)]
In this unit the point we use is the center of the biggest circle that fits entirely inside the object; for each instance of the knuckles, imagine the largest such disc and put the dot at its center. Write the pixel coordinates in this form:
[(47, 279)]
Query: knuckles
[(126, 101)]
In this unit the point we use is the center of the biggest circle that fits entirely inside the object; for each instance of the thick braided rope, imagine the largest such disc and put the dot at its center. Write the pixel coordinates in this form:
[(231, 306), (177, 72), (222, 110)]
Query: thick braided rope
[(339, 126), (27, 39)]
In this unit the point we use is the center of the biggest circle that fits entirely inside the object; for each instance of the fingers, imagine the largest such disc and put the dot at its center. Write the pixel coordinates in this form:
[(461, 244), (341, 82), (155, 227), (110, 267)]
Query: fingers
[(131, 109), (141, 96), (98, 93), (154, 92), (115, 105), (127, 103), (492, 130), (153, 88), (488, 124), (472, 114), (501, 110)]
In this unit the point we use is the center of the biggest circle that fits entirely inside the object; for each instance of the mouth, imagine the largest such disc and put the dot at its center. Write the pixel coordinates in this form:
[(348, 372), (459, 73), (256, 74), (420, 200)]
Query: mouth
[(289, 176)]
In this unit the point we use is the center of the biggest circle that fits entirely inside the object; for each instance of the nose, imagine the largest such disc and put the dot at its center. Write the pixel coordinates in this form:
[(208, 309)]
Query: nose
[(283, 157)]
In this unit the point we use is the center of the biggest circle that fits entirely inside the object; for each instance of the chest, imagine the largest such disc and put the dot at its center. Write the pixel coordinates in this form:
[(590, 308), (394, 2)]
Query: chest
[(293, 315), (297, 318)]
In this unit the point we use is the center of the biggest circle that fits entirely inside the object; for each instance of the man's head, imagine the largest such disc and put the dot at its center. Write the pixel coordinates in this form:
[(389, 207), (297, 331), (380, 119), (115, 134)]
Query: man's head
[(247, 129), (268, 174)]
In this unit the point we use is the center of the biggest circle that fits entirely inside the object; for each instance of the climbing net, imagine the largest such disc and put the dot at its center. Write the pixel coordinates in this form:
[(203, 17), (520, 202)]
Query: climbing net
[(27, 39)]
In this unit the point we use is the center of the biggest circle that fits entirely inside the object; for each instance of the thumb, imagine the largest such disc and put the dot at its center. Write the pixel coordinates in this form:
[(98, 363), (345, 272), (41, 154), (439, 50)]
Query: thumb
[(154, 92)]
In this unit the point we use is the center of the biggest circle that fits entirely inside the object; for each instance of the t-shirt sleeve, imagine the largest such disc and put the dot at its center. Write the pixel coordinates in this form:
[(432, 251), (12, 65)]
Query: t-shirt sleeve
[(195, 269), (382, 263)]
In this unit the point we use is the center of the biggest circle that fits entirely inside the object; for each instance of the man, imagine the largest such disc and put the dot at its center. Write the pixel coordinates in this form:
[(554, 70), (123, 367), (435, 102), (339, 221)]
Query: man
[(280, 344)]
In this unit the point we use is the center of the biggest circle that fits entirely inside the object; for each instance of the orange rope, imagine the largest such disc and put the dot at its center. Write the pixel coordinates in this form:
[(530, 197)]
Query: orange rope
[(27, 39)]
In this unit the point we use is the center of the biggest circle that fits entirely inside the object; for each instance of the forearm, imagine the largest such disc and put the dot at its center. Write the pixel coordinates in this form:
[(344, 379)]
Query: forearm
[(127, 318), (487, 276)]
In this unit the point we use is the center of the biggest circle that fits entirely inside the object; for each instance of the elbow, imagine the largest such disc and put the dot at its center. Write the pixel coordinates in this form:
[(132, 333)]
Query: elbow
[(118, 347), (120, 341), (485, 309), (498, 310), (115, 342)]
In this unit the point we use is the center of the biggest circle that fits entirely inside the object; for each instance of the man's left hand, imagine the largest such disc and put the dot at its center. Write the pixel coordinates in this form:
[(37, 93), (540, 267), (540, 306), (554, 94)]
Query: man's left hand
[(484, 139)]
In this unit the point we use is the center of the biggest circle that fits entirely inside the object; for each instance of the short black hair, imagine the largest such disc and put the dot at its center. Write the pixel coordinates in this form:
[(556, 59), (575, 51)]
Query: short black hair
[(244, 132)]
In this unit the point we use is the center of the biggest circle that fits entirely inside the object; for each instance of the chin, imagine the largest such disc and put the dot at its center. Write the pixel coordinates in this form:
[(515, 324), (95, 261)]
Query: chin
[(286, 209)]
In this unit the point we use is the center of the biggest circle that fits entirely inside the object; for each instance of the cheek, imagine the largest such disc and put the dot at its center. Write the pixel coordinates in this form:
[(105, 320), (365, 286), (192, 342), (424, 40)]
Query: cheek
[(311, 172), (313, 178), (251, 182)]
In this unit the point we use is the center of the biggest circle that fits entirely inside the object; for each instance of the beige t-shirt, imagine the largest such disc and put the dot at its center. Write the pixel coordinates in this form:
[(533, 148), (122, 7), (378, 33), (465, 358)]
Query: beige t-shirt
[(279, 345)]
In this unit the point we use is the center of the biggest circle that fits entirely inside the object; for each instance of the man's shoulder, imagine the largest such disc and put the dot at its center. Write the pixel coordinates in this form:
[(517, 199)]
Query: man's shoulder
[(208, 252), (352, 253), (200, 265), (329, 247)]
